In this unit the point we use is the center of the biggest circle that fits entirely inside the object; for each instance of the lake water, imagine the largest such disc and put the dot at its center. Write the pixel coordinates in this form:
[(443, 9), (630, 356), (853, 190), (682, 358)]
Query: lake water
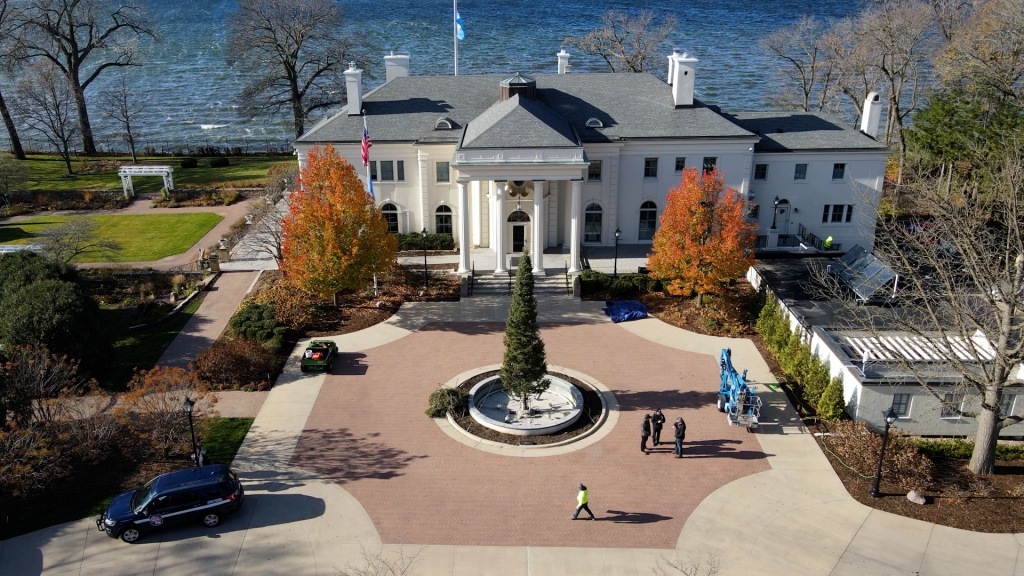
[(190, 89)]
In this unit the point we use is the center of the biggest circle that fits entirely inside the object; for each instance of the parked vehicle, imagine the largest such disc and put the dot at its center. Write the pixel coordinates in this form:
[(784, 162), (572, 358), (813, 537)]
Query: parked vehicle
[(203, 494), (319, 355)]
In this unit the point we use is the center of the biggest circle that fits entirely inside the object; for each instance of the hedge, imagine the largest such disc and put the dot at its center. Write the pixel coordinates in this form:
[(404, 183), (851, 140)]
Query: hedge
[(625, 286), (414, 241), (960, 449)]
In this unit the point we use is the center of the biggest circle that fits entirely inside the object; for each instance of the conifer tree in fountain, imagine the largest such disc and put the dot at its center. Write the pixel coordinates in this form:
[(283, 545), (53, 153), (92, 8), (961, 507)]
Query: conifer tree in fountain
[(525, 363)]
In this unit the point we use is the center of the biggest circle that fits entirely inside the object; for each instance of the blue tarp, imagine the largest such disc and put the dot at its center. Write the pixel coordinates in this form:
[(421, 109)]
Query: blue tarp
[(625, 310)]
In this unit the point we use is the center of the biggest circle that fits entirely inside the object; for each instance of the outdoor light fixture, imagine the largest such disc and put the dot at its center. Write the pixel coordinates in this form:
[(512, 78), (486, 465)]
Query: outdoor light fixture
[(775, 212), (618, 233), (890, 417), (188, 405), (423, 237)]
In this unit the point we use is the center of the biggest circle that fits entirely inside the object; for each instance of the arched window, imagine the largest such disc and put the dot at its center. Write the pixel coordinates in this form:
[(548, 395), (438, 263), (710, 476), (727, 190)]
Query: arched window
[(648, 220), (391, 217), (518, 216), (443, 220), (592, 224)]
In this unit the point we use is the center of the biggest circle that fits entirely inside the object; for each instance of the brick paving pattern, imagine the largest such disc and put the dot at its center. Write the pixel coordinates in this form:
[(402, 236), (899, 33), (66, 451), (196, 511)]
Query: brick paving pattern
[(368, 433)]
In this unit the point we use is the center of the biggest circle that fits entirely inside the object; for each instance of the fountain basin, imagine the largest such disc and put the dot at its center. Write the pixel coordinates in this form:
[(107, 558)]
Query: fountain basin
[(556, 409)]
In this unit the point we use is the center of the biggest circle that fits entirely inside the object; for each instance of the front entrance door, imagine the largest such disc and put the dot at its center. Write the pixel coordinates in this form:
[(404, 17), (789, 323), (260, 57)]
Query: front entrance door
[(518, 237)]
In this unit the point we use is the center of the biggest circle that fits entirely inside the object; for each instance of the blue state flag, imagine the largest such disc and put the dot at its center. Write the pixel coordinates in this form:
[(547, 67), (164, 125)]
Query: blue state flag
[(459, 32)]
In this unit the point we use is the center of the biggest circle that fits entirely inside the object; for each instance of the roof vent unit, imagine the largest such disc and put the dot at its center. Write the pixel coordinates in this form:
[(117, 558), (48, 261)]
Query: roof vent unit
[(519, 84), (396, 66), (443, 123), (594, 123)]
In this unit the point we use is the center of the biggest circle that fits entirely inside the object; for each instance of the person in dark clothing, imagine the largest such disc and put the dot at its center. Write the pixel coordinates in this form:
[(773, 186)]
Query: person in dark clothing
[(645, 432), (657, 421), (581, 502), (680, 435)]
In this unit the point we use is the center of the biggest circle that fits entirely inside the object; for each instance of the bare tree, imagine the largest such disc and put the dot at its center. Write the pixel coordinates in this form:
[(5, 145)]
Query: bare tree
[(961, 277), (297, 50), (952, 16), (265, 230), (626, 42), (856, 74), (987, 49), (123, 107), (83, 38), (377, 564), (9, 56), (34, 385), (47, 103), (808, 70), (73, 238), (13, 178), (709, 566)]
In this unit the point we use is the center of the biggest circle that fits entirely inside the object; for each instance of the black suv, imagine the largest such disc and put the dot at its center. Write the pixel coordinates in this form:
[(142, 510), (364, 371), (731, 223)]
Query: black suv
[(206, 493)]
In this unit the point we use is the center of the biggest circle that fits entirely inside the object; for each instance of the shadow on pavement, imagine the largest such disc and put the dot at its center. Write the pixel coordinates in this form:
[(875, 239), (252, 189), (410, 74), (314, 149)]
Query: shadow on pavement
[(664, 399), (719, 449), (621, 517), (342, 457), (258, 511), (349, 364)]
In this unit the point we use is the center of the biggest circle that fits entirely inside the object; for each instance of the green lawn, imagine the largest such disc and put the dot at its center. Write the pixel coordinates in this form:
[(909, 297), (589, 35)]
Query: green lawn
[(143, 237), (49, 173), (141, 348), (224, 437)]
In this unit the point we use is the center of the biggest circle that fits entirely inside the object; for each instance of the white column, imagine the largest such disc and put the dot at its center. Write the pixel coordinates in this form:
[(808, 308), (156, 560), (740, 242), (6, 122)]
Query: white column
[(464, 250), (499, 227), (538, 227), (576, 227)]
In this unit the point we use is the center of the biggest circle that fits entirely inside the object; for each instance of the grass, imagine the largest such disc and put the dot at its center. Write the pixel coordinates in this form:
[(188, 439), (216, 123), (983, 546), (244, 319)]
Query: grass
[(143, 237), (141, 349), (49, 173), (224, 437)]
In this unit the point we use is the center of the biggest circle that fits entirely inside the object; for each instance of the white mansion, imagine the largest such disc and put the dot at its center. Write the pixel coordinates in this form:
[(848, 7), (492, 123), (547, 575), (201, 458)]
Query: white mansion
[(566, 160)]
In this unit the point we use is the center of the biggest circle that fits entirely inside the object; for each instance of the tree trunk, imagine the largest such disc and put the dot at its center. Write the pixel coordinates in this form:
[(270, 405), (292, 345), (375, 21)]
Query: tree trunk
[(67, 160), (983, 459), (335, 299), (700, 299), (12, 131), (297, 112), (88, 143), (131, 146)]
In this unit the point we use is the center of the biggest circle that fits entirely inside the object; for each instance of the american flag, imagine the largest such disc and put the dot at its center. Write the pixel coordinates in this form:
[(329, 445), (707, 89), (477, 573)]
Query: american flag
[(366, 147)]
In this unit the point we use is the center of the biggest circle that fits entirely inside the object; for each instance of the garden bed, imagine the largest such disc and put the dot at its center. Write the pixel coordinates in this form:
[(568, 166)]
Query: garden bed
[(730, 314), (592, 406)]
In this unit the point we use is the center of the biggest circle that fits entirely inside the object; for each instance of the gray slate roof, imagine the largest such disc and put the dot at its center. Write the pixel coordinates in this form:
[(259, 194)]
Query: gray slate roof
[(629, 105), (519, 122), (802, 131)]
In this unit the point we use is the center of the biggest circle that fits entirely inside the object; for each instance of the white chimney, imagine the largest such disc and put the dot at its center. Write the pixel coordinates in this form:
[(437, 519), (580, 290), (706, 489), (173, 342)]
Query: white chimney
[(683, 69), (871, 114), (354, 88), (672, 66), (396, 66), (563, 62)]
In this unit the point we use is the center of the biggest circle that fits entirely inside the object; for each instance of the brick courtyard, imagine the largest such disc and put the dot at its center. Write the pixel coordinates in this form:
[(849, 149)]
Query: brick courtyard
[(368, 433)]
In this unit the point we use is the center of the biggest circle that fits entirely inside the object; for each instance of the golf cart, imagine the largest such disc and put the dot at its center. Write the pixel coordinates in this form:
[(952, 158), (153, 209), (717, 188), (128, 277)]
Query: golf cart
[(319, 355)]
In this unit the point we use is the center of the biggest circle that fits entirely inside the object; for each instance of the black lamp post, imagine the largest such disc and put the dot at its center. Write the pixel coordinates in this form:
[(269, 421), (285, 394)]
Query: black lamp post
[(890, 417), (188, 405), (618, 233), (775, 212), (423, 237)]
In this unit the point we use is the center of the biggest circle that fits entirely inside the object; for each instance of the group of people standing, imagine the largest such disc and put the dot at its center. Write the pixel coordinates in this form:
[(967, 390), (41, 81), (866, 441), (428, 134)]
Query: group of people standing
[(652, 425)]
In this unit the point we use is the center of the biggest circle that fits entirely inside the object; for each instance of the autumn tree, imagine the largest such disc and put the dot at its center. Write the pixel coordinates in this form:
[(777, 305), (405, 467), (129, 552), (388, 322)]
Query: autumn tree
[(627, 42), (82, 38), (333, 237), (704, 239), (151, 409), (296, 51)]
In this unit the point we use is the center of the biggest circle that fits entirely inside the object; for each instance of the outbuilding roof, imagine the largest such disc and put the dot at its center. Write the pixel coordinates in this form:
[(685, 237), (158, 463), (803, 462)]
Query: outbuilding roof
[(802, 131)]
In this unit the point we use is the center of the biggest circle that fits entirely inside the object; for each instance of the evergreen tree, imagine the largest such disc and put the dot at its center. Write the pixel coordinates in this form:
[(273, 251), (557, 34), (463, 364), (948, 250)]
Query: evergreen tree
[(832, 406), (525, 364)]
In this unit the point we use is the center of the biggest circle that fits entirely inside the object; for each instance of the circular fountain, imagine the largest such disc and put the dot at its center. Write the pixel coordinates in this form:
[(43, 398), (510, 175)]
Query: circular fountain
[(555, 409)]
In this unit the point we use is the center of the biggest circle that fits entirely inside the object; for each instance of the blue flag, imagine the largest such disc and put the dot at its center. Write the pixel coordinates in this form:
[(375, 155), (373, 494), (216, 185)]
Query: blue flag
[(459, 32)]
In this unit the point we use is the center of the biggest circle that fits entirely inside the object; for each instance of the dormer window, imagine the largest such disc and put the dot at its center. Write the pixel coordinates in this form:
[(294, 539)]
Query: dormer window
[(443, 123), (594, 123)]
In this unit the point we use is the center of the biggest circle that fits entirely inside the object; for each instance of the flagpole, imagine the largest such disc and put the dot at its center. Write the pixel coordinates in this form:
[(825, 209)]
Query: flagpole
[(455, 33)]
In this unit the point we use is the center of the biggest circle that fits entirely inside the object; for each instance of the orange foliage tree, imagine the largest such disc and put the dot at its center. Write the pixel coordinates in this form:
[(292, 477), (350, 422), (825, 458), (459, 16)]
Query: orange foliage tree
[(333, 237), (704, 239)]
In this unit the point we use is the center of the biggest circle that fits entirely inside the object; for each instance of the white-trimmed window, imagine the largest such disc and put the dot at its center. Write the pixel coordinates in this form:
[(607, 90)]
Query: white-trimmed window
[(838, 171), (952, 405), (648, 220), (710, 162), (680, 163), (753, 211), (837, 214), (390, 212), (800, 172), (373, 170), (443, 220), (760, 171), (592, 223), (650, 168), (442, 172), (387, 171), (901, 404), (594, 171)]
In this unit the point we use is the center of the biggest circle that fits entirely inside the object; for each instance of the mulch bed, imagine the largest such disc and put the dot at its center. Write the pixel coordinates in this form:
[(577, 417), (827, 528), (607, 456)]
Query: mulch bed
[(956, 497), (591, 405), (725, 315)]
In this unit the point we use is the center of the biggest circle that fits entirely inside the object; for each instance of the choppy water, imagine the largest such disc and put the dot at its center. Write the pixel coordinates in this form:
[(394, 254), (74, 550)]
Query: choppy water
[(190, 89)]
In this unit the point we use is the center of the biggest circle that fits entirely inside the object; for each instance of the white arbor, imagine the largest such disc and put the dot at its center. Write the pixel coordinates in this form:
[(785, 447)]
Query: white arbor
[(126, 173)]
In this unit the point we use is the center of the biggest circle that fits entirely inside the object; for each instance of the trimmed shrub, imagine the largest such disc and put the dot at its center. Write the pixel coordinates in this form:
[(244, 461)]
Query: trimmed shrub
[(220, 162), (414, 241), (229, 195), (831, 406), (622, 288), (189, 163), (257, 321), (241, 363), (447, 400), (960, 449)]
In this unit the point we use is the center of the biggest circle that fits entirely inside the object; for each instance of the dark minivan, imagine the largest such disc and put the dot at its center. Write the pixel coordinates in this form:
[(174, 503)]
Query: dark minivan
[(195, 494)]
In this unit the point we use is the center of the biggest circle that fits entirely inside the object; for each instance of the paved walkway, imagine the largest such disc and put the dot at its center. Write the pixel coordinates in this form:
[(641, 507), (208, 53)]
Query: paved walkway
[(794, 518)]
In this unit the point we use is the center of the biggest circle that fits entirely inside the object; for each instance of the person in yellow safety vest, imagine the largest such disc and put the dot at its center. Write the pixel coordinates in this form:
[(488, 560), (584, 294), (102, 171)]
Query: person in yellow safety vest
[(581, 500), (828, 243)]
